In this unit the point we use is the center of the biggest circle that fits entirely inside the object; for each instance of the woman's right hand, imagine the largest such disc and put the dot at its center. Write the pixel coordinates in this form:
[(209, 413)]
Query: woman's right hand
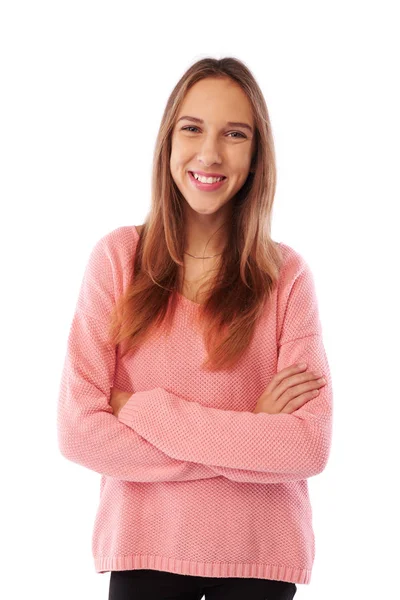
[(288, 390)]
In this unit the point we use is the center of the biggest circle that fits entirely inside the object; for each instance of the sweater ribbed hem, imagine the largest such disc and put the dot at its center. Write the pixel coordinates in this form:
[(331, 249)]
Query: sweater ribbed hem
[(129, 410), (104, 564)]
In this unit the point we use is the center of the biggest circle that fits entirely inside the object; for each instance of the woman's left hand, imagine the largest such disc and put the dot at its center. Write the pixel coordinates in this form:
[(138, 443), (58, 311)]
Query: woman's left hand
[(118, 399)]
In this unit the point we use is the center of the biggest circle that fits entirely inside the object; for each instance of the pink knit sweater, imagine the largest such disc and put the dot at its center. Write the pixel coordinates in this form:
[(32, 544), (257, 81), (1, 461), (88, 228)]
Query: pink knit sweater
[(192, 481)]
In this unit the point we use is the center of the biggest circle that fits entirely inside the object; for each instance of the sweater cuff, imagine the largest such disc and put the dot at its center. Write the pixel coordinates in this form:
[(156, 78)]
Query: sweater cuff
[(130, 409)]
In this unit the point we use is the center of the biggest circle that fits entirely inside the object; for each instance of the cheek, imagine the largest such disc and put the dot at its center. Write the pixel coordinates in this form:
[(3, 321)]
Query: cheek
[(178, 155), (240, 166)]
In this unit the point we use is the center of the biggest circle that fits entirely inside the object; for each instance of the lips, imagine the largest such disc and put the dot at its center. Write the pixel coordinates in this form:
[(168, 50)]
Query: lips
[(207, 174), (206, 187)]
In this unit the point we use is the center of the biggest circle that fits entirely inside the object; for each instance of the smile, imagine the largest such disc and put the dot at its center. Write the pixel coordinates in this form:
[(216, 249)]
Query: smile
[(206, 187)]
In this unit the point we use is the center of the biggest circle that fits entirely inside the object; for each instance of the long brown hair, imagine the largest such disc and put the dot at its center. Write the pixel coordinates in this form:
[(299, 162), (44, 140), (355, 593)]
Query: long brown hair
[(250, 264)]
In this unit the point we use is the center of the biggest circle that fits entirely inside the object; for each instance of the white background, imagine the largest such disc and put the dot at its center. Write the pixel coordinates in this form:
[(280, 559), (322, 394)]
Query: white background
[(83, 88)]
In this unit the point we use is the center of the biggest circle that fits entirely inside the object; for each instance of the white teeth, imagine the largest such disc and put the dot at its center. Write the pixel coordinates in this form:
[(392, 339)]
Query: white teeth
[(207, 179)]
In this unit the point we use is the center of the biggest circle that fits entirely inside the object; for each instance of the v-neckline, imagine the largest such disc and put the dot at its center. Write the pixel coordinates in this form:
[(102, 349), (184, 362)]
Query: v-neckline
[(188, 300)]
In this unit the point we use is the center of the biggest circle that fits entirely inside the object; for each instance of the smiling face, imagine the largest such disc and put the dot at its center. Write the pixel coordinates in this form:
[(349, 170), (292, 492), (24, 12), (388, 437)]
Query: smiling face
[(213, 146)]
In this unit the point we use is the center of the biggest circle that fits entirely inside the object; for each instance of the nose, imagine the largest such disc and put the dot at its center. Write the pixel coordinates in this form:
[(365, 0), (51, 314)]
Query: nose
[(209, 152)]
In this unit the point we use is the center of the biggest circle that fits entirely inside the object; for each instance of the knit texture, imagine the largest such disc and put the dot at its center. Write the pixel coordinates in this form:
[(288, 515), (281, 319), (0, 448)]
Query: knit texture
[(192, 481)]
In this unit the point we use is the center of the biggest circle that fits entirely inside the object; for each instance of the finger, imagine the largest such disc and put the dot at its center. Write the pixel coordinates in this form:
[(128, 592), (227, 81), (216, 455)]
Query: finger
[(299, 401), (284, 373)]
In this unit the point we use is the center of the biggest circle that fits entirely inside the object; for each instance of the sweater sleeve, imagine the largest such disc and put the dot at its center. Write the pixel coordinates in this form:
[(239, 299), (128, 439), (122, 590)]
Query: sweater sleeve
[(88, 432), (239, 444)]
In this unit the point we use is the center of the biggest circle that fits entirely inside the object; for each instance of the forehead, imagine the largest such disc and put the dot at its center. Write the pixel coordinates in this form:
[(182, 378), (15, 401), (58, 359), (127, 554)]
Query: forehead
[(217, 98)]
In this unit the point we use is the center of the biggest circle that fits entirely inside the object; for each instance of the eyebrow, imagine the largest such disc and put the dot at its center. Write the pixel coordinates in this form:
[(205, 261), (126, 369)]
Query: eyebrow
[(230, 123)]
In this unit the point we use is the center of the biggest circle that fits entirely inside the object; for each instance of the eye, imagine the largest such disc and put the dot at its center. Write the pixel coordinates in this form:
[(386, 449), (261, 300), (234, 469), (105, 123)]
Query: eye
[(189, 127), (230, 133), (239, 132)]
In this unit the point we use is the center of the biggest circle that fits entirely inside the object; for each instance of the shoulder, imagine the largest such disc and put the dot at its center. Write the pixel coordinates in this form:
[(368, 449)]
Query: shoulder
[(292, 260), (297, 302), (294, 270), (116, 246)]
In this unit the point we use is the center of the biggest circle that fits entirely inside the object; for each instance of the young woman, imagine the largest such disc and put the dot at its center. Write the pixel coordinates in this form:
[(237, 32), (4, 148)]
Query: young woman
[(183, 384)]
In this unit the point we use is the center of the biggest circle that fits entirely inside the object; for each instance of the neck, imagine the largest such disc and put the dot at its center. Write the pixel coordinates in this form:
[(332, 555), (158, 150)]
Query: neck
[(204, 239)]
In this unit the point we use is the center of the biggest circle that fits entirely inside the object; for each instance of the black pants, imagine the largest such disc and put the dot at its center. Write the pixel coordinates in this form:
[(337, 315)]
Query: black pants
[(149, 584)]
